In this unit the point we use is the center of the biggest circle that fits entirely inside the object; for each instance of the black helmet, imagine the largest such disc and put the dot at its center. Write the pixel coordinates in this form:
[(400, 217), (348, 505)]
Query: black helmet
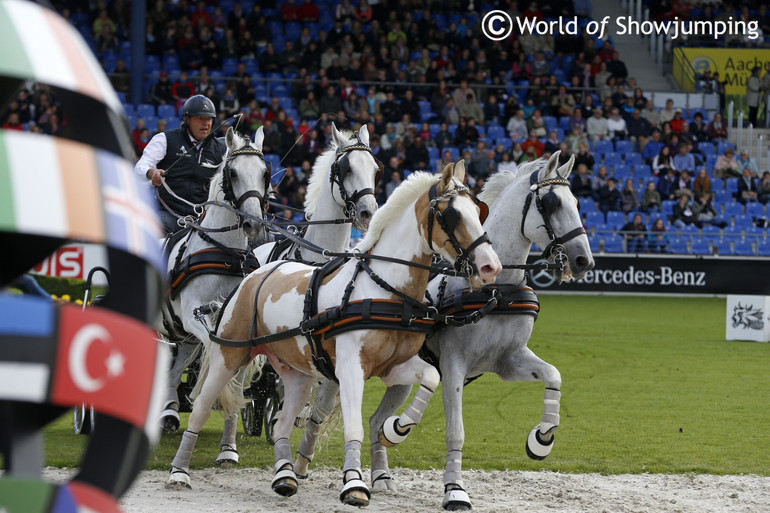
[(199, 105)]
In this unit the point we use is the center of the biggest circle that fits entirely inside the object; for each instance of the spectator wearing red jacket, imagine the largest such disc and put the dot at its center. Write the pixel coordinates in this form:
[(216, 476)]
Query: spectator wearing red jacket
[(290, 11), (308, 11), (182, 89), (533, 143)]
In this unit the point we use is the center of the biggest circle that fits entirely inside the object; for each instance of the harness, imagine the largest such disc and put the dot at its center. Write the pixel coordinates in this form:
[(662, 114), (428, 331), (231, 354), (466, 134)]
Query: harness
[(546, 205), (341, 168), (402, 314)]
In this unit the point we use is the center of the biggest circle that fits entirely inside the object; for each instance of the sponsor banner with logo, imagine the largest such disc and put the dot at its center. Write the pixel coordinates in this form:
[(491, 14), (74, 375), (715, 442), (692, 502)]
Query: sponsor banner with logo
[(748, 318), (670, 274), (733, 64), (74, 261)]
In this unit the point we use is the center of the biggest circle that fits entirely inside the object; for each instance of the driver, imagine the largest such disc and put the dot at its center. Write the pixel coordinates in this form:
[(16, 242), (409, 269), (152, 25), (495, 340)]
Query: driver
[(189, 177)]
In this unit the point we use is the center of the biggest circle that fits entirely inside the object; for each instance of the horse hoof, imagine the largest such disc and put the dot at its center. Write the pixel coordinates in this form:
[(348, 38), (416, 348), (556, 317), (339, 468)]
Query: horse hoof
[(286, 487), (390, 434), (169, 421), (356, 498), (228, 458), (456, 500), (382, 482), (178, 479), (537, 447)]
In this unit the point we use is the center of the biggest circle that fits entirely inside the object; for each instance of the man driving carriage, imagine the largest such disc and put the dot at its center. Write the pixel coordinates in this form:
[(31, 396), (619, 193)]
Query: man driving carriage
[(186, 159)]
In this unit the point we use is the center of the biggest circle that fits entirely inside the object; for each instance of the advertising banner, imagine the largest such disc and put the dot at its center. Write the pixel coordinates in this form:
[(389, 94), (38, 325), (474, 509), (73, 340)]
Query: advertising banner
[(733, 64), (668, 274), (748, 318)]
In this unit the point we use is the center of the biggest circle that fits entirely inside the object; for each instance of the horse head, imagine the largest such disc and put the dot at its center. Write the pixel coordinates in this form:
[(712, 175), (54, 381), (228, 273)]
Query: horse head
[(246, 178), (554, 221), (355, 172), (454, 228)]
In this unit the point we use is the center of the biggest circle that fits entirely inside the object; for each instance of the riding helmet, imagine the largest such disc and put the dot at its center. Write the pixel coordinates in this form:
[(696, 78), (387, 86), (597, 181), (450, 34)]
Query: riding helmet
[(199, 105)]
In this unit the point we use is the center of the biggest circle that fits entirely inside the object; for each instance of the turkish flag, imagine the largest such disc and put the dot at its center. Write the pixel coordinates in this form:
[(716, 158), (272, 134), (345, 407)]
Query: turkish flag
[(105, 359)]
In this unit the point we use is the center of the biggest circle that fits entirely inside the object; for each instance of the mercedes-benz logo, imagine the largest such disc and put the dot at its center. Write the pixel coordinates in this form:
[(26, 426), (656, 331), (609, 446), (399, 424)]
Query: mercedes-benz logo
[(542, 278)]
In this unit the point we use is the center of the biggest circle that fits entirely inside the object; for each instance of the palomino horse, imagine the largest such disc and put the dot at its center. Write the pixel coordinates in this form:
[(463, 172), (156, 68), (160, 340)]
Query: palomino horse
[(375, 329), (497, 343), (351, 172), (211, 260)]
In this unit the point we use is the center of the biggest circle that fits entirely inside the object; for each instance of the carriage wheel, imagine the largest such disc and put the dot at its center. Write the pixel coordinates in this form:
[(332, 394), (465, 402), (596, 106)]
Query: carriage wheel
[(83, 419), (272, 407), (251, 416)]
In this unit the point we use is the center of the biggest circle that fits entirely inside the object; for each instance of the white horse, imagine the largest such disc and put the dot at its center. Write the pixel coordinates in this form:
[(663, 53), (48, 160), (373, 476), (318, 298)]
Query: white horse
[(350, 172), (380, 298), (497, 343), (211, 261)]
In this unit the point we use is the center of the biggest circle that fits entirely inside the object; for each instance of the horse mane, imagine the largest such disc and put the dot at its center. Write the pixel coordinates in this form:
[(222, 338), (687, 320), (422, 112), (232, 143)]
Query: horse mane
[(409, 190), (214, 189), (321, 169), (496, 184)]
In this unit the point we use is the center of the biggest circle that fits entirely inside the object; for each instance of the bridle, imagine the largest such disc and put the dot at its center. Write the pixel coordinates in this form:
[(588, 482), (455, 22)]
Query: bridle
[(448, 219), (546, 205), (227, 180), (341, 169)]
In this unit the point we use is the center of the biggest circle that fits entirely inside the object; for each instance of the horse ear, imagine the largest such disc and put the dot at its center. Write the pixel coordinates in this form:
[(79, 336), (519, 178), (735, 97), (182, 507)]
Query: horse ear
[(550, 166), (363, 134), (337, 136), (259, 137), (565, 170), (459, 172), (446, 178), (229, 137)]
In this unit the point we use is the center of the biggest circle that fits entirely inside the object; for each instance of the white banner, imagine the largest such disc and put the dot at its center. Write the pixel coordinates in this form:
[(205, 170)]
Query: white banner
[(748, 318)]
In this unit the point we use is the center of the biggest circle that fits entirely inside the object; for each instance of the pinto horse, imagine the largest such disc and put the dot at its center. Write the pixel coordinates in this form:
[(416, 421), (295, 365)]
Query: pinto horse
[(533, 204), (382, 290)]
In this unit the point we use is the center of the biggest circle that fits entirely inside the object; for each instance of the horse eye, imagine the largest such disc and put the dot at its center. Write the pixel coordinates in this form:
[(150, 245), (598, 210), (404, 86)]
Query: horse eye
[(233, 176)]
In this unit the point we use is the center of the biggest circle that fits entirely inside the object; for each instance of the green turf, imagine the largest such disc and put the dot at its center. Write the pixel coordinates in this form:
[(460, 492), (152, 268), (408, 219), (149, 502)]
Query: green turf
[(649, 385)]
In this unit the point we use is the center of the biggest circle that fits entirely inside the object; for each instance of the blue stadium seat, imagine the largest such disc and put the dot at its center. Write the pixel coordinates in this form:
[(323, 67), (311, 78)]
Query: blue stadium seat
[(667, 206), (172, 123), (550, 123), (632, 158), (721, 147), (621, 172), (733, 208), (594, 218), (701, 247), (564, 122), (454, 151), (744, 248), (613, 244), (755, 233), (616, 219), (497, 133), (612, 159), (688, 231), (166, 111), (707, 148), (658, 215), (743, 221), (710, 233), (755, 209), (678, 246), (717, 185), (624, 146), (642, 172), (723, 196), (731, 184), (724, 246), (763, 248), (433, 152), (593, 242), (604, 146), (587, 204), (630, 216), (229, 67), (145, 110)]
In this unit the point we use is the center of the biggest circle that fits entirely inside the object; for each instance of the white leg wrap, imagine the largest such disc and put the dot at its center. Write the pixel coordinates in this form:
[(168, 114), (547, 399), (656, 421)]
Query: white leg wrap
[(453, 470), (231, 425), (306, 449), (228, 455), (184, 453), (285, 480), (552, 404), (352, 456), (413, 413)]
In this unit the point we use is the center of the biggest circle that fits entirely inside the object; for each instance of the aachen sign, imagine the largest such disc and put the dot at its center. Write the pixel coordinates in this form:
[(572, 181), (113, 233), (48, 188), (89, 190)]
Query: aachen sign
[(669, 274)]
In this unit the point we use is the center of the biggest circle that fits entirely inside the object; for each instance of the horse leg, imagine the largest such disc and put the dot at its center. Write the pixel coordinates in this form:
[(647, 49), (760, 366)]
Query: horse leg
[(453, 374), (394, 397), (350, 372), (296, 387), (186, 353), (322, 408), (215, 381), (413, 371), (228, 450), (530, 367)]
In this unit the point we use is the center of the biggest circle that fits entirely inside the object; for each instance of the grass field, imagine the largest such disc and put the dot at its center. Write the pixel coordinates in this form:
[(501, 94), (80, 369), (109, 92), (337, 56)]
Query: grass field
[(649, 385)]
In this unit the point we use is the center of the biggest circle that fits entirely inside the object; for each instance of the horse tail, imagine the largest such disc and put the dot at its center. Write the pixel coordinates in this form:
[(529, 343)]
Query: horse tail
[(231, 398)]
